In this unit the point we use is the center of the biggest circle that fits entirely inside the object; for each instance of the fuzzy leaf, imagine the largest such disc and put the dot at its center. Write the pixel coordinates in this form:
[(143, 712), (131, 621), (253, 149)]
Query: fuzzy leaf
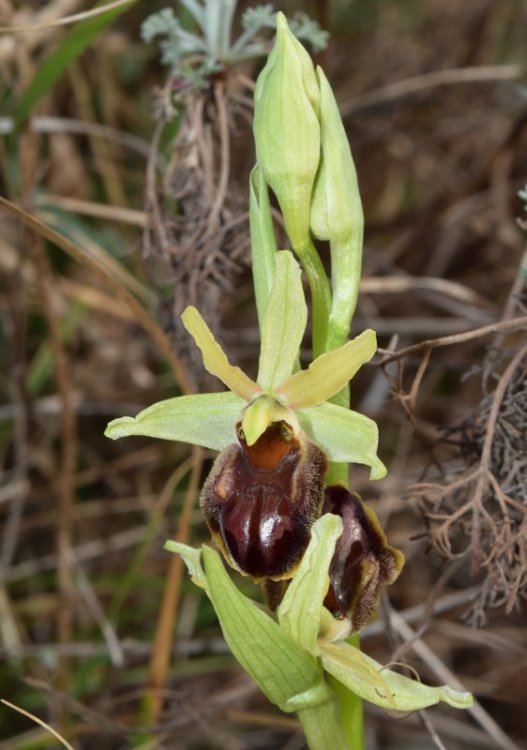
[(345, 436), (284, 323), (370, 681), (300, 611), (329, 373), (206, 419), (215, 359), (288, 676)]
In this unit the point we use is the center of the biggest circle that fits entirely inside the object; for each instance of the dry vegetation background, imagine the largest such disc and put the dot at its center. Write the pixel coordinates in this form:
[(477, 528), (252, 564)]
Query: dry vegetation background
[(434, 99)]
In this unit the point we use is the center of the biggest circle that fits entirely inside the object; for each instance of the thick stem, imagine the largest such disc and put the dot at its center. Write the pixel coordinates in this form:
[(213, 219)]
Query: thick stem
[(320, 294), (322, 727), (351, 713)]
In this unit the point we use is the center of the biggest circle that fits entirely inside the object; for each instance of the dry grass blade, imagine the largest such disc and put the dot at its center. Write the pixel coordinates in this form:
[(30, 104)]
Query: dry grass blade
[(418, 84), (65, 20), (143, 318), (43, 724), (444, 673)]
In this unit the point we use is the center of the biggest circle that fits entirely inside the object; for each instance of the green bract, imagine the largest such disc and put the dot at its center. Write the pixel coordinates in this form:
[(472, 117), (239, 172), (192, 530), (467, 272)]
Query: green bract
[(298, 398), (288, 659)]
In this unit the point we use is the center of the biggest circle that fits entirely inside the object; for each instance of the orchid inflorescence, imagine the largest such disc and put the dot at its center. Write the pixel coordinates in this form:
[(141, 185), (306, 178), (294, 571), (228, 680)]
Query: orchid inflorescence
[(273, 510)]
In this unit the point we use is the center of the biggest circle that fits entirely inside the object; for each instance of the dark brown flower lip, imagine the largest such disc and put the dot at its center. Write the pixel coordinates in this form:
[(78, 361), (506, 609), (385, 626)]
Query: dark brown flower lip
[(363, 562), (261, 515)]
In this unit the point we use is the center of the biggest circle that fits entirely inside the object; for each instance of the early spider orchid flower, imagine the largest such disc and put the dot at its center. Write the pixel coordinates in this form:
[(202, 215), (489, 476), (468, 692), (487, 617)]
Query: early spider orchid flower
[(275, 434), (288, 657)]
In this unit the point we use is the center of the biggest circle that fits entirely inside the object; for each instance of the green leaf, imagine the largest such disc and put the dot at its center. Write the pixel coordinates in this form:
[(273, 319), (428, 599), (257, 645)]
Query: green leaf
[(207, 419), (263, 242), (55, 63), (284, 323), (287, 675), (300, 611), (370, 681), (214, 358), (345, 436), (329, 373)]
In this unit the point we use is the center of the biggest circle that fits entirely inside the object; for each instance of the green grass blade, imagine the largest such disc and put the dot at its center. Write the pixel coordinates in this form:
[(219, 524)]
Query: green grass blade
[(70, 47)]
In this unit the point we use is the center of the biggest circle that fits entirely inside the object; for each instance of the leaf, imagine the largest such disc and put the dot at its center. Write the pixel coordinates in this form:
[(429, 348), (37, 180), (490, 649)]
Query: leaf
[(329, 373), (370, 681), (288, 676), (207, 419), (214, 358), (345, 436), (300, 611), (284, 323), (56, 62)]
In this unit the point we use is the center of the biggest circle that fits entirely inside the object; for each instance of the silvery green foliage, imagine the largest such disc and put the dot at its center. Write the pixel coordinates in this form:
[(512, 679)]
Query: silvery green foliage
[(212, 42)]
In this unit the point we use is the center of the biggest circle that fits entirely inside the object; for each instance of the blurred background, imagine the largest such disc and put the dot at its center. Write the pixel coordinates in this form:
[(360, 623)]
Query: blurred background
[(131, 178)]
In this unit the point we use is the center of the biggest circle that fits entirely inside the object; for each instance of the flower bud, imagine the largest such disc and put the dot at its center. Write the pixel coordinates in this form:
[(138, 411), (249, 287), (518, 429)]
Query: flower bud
[(336, 210), (336, 214), (287, 131), (363, 562)]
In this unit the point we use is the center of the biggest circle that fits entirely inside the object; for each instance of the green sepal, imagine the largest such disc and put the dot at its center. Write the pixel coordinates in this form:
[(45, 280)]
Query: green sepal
[(390, 690), (206, 419), (284, 323), (300, 611), (289, 677), (263, 241), (329, 373), (345, 436), (214, 358)]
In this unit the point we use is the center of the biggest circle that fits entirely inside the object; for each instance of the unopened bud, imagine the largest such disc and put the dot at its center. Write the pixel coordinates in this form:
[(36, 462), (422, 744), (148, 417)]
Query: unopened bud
[(287, 131)]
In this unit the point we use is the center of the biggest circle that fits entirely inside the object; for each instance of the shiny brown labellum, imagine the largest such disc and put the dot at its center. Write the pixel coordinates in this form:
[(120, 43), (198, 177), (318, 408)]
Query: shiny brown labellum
[(363, 562), (260, 501)]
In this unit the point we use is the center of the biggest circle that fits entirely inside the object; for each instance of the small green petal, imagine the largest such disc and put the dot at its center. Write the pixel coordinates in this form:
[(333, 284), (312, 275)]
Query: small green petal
[(345, 436), (329, 373), (300, 611), (192, 559), (284, 323), (370, 681), (287, 675), (207, 419), (262, 412), (215, 359)]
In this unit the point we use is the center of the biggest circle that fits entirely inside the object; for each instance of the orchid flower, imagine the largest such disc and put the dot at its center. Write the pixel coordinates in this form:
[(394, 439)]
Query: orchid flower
[(288, 658), (279, 394)]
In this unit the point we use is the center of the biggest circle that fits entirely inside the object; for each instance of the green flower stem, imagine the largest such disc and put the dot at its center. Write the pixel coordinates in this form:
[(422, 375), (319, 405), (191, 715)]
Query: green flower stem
[(346, 262), (320, 293), (263, 241), (322, 727), (352, 715)]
